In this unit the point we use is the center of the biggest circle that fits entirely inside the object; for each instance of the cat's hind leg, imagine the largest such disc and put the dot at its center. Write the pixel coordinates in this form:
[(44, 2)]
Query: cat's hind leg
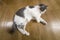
[(21, 28)]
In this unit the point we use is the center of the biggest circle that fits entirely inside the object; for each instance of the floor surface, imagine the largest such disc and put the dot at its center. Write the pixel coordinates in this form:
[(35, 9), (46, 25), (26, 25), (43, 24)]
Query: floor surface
[(51, 31)]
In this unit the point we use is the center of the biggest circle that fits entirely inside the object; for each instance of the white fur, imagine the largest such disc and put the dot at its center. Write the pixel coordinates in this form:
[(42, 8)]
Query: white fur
[(29, 13)]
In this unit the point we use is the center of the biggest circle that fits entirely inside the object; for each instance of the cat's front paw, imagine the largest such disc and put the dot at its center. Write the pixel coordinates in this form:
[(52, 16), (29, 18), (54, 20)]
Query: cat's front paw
[(44, 23), (27, 34)]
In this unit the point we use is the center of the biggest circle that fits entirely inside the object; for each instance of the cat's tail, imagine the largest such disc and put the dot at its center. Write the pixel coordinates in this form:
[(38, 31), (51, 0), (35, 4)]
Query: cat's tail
[(13, 29)]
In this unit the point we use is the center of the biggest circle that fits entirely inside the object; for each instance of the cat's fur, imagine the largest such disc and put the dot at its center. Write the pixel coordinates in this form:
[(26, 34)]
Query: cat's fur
[(24, 15)]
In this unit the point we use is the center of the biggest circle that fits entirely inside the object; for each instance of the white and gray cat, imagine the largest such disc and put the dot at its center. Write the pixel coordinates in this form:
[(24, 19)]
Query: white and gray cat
[(26, 14)]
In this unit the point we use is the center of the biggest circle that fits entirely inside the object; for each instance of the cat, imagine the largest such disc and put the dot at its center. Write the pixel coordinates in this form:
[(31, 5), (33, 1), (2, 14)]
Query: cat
[(26, 14)]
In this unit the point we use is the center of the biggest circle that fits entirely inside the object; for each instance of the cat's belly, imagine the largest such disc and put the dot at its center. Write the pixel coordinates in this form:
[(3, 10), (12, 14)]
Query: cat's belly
[(18, 20)]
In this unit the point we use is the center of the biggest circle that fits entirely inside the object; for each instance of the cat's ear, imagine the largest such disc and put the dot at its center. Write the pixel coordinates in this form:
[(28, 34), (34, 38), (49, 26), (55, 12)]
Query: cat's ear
[(43, 5)]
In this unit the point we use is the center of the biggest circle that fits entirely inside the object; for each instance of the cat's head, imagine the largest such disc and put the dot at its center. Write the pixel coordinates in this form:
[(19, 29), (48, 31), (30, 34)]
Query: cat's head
[(43, 7)]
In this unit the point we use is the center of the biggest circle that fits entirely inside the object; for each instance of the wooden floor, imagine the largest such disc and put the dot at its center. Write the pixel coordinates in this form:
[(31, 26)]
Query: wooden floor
[(51, 31)]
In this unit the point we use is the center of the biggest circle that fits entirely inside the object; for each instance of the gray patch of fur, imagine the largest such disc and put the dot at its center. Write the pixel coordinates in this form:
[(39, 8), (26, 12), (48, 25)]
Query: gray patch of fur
[(20, 26), (20, 12), (31, 6)]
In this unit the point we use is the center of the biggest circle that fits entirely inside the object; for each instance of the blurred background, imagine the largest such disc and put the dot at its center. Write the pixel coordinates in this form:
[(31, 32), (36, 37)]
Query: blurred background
[(51, 31)]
